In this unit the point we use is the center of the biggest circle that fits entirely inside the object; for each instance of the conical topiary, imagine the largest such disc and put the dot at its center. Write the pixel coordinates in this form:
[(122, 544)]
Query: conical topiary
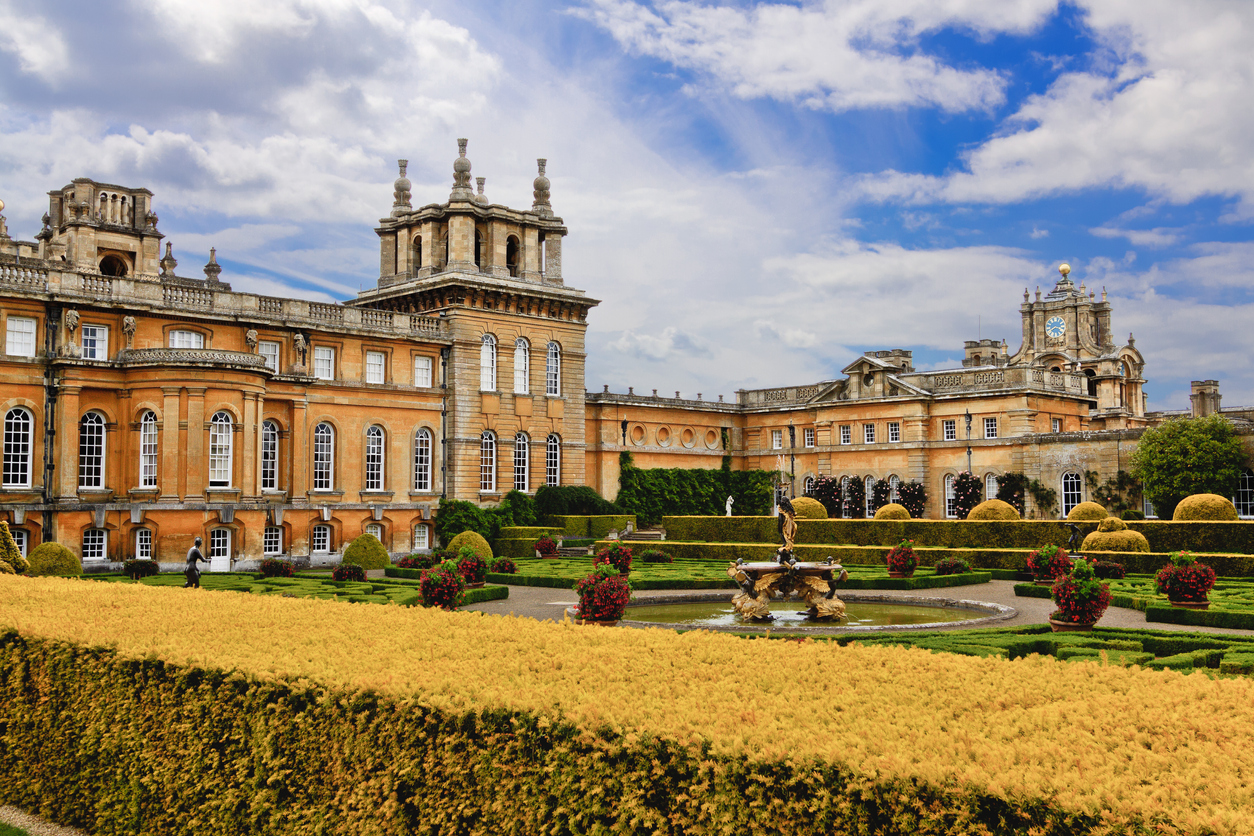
[(9, 553)]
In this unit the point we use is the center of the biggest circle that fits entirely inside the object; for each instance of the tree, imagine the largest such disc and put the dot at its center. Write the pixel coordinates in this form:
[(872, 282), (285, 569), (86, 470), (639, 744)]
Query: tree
[(855, 500), (1185, 457), (913, 497), (1011, 488), (827, 490), (881, 494)]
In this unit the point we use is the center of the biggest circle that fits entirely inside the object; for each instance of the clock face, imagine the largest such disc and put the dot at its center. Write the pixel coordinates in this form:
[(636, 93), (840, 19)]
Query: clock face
[(1055, 327)]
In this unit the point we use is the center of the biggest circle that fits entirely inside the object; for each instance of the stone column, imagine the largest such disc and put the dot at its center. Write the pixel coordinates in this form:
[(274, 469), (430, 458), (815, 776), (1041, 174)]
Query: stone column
[(196, 463), (170, 468), (299, 450), (67, 443), (553, 257)]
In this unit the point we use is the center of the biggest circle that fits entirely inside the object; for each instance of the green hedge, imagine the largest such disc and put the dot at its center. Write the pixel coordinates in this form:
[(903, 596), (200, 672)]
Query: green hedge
[(1201, 618), (525, 547), (532, 532), (580, 525)]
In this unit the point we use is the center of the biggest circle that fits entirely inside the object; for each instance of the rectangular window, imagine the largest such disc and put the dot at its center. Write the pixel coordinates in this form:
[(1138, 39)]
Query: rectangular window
[(20, 538), (320, 539), (868, 433), (950, 428), (421, 537), (95, 342), (990, 427), (376, 531), (324, 362), (143, 544), (809, 436), (1148, 508), (777, 439), (187, 339), (94, 544), (422, 371), (1057, 425), (846, 434), (375, 361), (272, 542), (20, 339), (894, 431), (270, 351)]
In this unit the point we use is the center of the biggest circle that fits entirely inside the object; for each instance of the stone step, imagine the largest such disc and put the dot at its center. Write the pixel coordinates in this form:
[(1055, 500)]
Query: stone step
[(575, 551), (645, 534)]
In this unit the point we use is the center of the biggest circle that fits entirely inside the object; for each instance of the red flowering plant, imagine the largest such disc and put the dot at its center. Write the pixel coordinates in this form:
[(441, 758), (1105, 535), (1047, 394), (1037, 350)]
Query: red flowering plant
[(1184, 579), (1080, 597), (901, 558), (603, 595), (952, 566), (546, 547), (442, 586), (418, 561), (1049, 563), (471, 566), (617, 555), (504, 566), (272, 567), (348, 572)]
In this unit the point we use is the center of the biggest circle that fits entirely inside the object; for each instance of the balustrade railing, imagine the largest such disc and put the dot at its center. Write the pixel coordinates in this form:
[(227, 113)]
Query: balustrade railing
[(31, 278), (327, 313), (186, 297)]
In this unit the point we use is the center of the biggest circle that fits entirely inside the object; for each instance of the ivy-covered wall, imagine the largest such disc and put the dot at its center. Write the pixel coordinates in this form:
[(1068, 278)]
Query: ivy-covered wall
[(652, 493)]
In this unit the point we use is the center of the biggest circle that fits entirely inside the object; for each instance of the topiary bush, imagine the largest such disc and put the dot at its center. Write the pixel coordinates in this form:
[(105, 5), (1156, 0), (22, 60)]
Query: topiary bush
[(348, 572), (1087, 511), (1205, 506), (892, 511), (993, 509), (55, 560), (367, 552), (809, 509), (475, 541), (9, 554), (1113, 535)]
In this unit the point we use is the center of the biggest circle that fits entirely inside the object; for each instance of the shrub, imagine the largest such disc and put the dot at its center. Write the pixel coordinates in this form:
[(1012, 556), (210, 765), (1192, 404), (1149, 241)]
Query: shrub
[(546, 547), (881, 494), (952, 566), (1205, 506), (993, 509), (1080, 597), (1108, 569), (1184, 579), (913, 497), (827, 491), (653, 493), (456, 515), (472, 539), (1132, 515), (348, 572), (603, 595), (563, 500), (1011, 488), (656, 556), (136, 569), (967, 493), (516, 508), (892, 511), (54, 559), (367, 552), (1087, 511), (616, 555), (272, 567), (1113, 535), (443, 586), (9, 553), (809, 509), (854, 505), (504, 566), (901, 558), (1049, 562), (419, 561), (471, 566)]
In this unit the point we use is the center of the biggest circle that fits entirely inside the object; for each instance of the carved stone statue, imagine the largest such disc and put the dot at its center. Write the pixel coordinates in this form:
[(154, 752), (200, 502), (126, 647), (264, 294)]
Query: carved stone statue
[(298, 343), (194, 555), (787, 529), (128, 326), (250, 337), (71, 321), (730, 501)]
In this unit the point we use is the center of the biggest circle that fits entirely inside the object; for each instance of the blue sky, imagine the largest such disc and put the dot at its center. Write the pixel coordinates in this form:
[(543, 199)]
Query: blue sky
[(757, 191)]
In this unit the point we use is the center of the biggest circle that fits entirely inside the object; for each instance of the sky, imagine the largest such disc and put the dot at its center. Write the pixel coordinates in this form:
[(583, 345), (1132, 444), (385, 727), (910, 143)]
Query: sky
[(756, 192)]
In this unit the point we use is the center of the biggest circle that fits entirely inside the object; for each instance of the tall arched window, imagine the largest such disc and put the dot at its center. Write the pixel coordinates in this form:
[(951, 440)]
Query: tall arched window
[(808, 486), (553, 370), (91, 429), (324, 457), (894, 482), (522, 367), (1244, 500), (487, 462), (148, 450), (951, 502), (522, 459), (422, 460), (553, 461), (417, 253), (990, 486), (19, 431), (220, 450), (869, 484), (269, 456), (511, 255), (487, 364), (844, 496), (1072, 491), (374, 458)]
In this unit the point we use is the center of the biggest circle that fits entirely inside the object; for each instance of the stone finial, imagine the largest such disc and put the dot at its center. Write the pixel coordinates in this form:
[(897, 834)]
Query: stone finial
[(4, 230), (1103, 293), (461, 174), (1131, 340), (150, 220), (45, 233), (169, 262), (212, 270), (400, 191), (481, 198), (541, 205), (1025, 294)]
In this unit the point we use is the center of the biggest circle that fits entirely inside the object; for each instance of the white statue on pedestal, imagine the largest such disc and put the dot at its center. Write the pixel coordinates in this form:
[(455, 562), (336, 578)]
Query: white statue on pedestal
[(730, 502)]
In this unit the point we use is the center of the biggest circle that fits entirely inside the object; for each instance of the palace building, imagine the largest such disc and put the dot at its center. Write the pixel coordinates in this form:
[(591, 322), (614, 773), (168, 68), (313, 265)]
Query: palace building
[(143, 408)]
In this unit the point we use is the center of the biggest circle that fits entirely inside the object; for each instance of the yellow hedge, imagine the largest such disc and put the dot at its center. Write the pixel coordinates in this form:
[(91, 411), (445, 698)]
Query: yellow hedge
[(809, 509), (1087, 511), (892, 511), (993, 509), (1205, 506), (142, 709)]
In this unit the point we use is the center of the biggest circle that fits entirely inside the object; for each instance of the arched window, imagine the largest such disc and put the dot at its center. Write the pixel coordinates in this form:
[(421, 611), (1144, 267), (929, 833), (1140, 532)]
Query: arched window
[(422, 460), (374, 458), (91, 430), (522, 457), (19, 432), (951, 502), (894, 482), (511, 255), (1071, 491), (487, 364), (1244, 500), (111, 265), (808, 486), (1092, 376), (869, 484), (269, 456), (324, 457), (220, 450), (844, 496), (487, 462), (478, 249), (148, 450), (417, 256), (553, 461), (990, 486), (522, 367), (553, 370)]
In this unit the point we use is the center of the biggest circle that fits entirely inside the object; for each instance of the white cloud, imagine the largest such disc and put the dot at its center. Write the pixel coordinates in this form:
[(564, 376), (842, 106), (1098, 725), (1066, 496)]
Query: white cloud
[(1158, 237), (38, 45)]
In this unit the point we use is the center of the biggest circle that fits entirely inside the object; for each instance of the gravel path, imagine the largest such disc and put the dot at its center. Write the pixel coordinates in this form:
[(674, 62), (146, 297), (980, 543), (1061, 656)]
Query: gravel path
[(34, 825)]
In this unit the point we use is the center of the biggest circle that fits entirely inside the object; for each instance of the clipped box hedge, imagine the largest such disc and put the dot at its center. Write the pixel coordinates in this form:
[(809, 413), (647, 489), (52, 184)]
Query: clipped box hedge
[(531, 532), (580, 525)]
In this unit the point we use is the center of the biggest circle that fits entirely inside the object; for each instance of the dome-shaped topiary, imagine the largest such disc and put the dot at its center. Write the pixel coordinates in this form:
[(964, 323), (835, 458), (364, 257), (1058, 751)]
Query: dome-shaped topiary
[(1205, 507), (993, 509), (475, 541), (1113, 535), (56, 560), (367, 552), (9, 555), (1087, 511), (892, 511), (809, 509)]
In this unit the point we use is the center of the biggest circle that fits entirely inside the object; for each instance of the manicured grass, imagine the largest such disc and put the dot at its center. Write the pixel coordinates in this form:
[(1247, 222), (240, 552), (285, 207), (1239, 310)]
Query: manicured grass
[(9, 830)]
